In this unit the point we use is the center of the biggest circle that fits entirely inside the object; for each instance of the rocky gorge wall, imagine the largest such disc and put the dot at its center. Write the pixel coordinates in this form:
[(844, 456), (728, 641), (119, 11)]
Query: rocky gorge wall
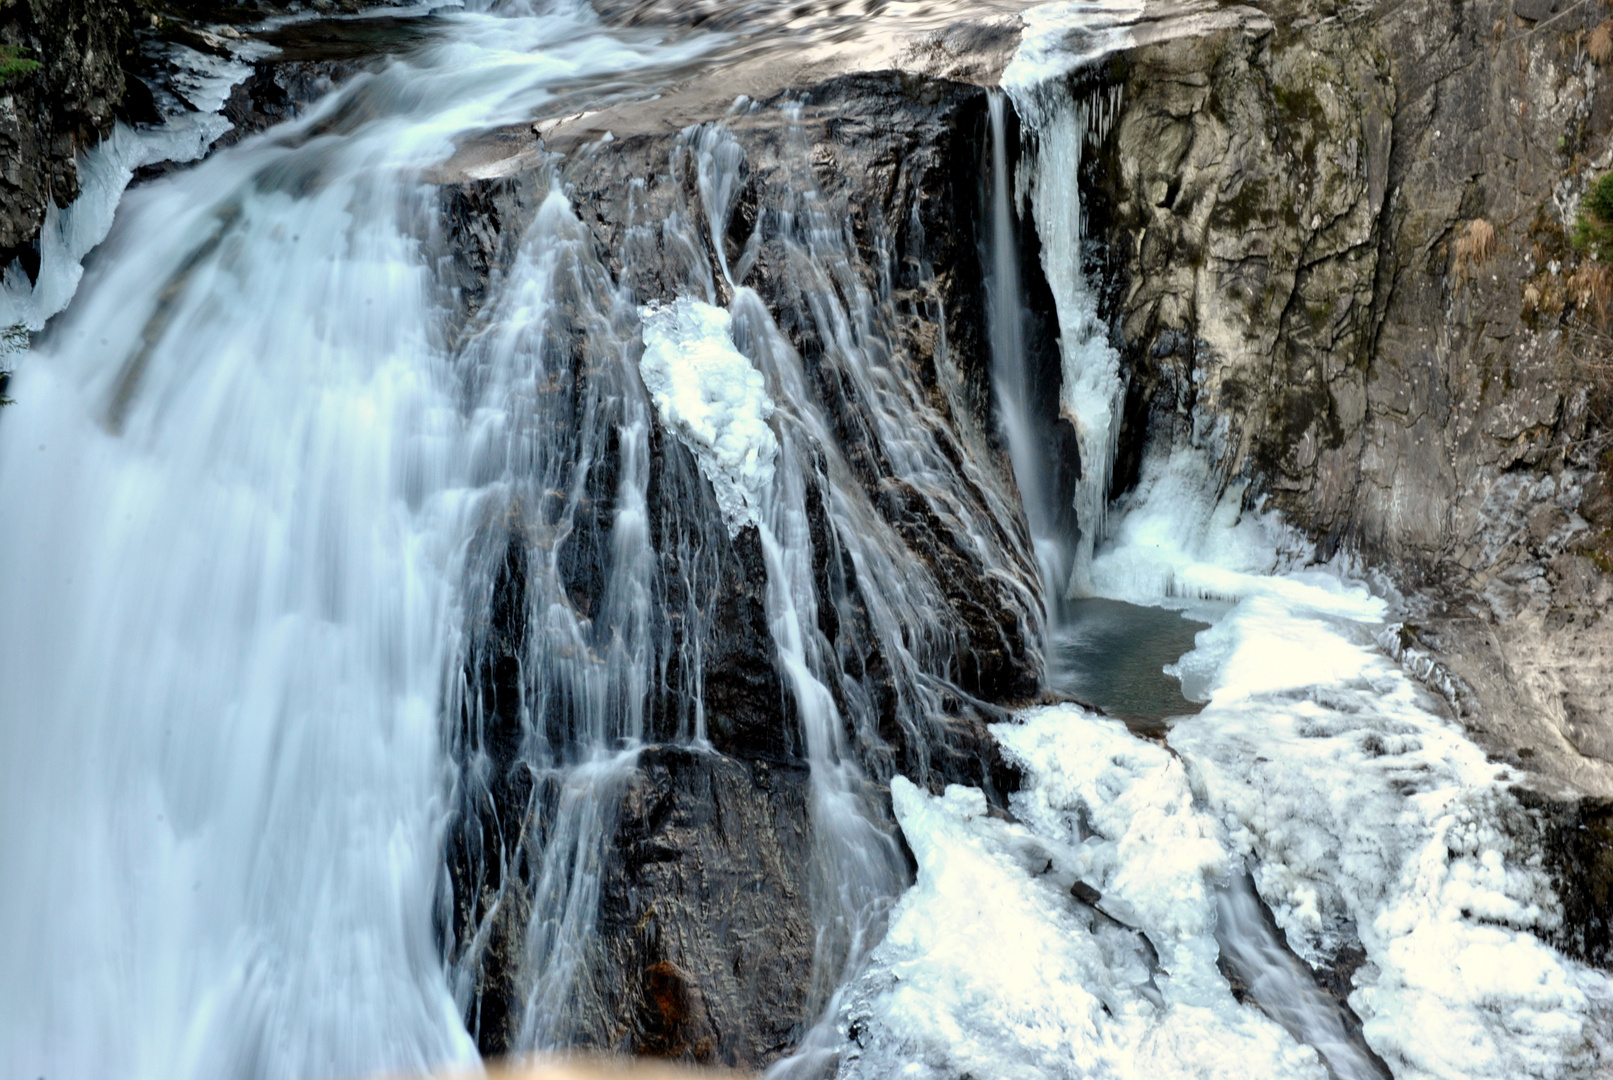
[(1340, 242)]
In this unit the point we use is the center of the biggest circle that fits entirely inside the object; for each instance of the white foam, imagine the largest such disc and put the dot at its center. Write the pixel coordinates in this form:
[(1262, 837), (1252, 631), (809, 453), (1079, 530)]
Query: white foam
[(713, 400)]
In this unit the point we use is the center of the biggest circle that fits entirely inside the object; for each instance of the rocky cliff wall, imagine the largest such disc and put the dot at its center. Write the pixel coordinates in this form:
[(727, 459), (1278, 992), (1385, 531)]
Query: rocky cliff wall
[(1340, 237), (849, 209), (51, 112)]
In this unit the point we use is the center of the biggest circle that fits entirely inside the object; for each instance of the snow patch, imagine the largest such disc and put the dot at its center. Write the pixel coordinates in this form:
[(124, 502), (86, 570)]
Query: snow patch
[(711, 397)]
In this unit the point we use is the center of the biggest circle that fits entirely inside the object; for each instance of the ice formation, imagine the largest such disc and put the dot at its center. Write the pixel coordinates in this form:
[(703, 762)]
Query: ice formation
[(713, 400), (1363, 814), (1056, 39), (1366, 814), (991, 968), (104, 171)]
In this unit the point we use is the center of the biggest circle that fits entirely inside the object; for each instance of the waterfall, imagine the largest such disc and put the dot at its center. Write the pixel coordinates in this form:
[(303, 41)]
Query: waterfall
[(365, 592), (251, 499), (1029, 441), (1058, 121)]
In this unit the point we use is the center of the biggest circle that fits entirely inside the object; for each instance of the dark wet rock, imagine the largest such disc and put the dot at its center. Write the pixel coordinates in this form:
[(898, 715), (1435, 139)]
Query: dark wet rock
[(279, 91), (705, 925), (99, 60), (1575, 845), (49, 115), (311, 59)]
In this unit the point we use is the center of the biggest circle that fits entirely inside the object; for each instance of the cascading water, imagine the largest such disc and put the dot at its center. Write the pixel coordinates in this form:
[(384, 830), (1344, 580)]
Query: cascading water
[(246, 498), (392, 586), (1029, 442), (1283, 985), (1092, 385)]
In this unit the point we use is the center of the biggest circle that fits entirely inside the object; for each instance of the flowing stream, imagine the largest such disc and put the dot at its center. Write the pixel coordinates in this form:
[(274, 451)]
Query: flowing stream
[(340, 607)]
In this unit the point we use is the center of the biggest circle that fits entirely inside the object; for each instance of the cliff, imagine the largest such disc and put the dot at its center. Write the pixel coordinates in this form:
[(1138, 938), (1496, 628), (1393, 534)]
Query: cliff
[(51, 112), (1340, 242)]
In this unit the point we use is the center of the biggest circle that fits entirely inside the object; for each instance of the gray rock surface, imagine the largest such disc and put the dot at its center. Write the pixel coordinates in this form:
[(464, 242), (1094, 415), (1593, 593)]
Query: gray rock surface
[(1292, 214)]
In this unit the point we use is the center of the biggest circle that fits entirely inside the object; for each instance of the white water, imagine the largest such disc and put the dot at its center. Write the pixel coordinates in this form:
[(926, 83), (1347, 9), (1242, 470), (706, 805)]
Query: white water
[(237, 499), (298, 619), (1011, 375), (1284, 987)]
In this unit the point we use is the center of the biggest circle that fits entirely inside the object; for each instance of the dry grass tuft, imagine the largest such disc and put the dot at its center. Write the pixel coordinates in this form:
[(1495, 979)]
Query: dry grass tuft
[(1600, 44), (1591, 287), (1543, 297), (1476, 245)]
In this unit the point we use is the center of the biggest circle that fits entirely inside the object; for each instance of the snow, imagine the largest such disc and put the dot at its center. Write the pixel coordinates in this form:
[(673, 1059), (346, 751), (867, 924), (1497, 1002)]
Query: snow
[(711, 397)]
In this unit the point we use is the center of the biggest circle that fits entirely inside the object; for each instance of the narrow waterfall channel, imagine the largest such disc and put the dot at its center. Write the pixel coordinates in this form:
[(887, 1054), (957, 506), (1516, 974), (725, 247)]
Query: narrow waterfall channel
[(1251, 948), (463, 602)]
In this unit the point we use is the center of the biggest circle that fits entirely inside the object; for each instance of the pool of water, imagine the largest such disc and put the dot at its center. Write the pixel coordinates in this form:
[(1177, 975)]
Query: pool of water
[(1113, 654)]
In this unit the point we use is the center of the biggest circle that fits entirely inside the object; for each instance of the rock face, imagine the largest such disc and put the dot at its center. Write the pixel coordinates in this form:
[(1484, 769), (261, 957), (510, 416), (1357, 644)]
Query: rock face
[(705, 916), (52, 112), (849, 211), (1341, 241)]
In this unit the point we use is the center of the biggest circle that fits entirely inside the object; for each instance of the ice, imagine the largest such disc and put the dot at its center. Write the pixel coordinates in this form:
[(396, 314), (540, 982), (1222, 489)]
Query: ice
[(713, 400), (1055, 39), (992, 968), (1365, 813), (104, 171)]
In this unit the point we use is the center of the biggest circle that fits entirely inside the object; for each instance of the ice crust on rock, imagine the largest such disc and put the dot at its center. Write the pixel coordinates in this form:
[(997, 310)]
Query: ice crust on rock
[(1363, 814), (68, 235), (714, 400), (1362, 811), (1056, 39), (992, 968)]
